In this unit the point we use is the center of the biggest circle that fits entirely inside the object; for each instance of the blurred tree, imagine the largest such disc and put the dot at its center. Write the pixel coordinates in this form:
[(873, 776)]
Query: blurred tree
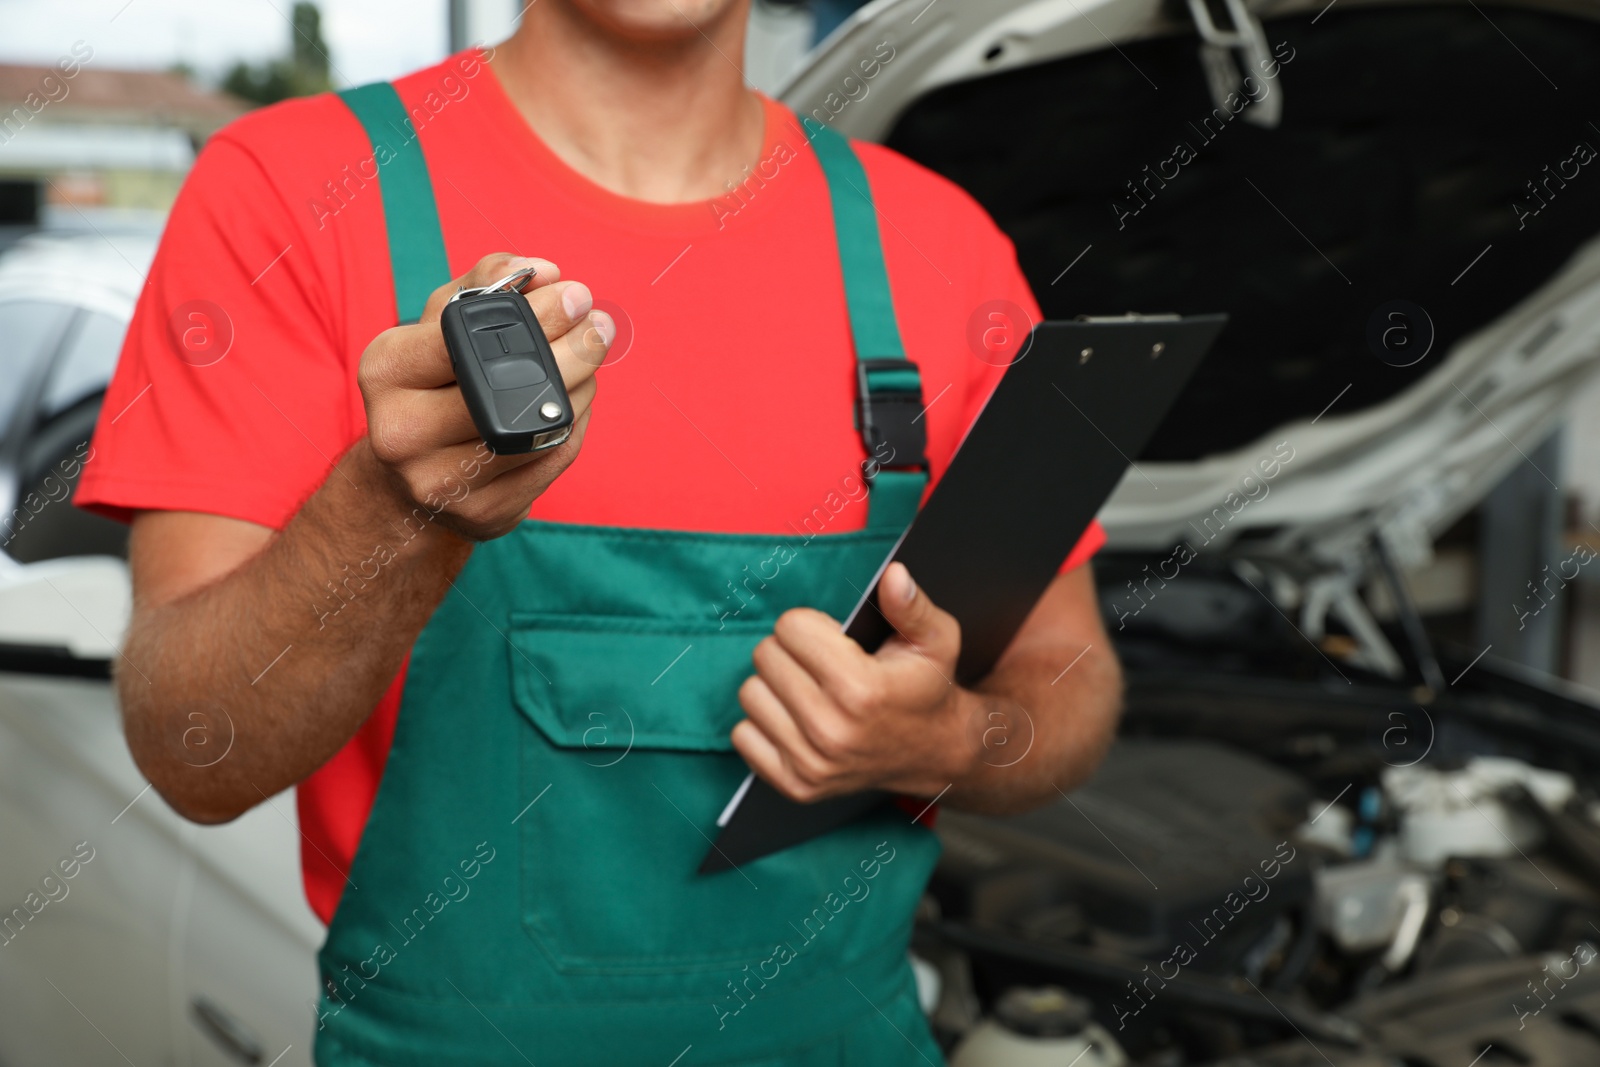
[(265, 84), (303, 72), (308, 51)]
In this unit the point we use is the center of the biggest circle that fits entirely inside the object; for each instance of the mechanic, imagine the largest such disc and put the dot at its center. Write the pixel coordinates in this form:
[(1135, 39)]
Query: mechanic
[(526, 686)]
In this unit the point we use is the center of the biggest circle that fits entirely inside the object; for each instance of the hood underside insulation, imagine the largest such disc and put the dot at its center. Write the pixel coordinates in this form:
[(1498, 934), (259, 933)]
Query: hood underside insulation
[(1422, 157)]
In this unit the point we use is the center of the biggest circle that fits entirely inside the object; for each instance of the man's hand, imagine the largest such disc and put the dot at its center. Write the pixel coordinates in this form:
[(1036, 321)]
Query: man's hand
[(827, 718), (295, 635), (418, 425)]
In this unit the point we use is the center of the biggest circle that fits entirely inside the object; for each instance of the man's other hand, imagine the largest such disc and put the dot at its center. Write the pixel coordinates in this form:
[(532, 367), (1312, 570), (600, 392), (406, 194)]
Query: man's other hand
[(827, 718)]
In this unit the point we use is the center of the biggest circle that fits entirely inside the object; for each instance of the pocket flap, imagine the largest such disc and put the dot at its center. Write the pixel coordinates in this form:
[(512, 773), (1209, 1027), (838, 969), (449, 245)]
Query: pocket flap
[(607, 682)]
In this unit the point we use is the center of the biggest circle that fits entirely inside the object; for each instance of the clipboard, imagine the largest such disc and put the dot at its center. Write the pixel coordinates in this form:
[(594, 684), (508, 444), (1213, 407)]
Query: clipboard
[(1044, 455)]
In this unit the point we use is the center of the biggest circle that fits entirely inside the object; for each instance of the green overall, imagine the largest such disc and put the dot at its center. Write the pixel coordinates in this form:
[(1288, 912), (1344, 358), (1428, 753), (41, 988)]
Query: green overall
[(525, 889)]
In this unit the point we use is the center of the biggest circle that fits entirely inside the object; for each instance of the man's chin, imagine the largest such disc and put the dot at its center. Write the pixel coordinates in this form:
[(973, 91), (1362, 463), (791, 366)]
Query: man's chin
[(662, 21)]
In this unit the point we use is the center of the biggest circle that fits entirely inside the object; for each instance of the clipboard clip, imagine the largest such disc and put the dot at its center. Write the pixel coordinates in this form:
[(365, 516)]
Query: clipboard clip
[(1131, 316)]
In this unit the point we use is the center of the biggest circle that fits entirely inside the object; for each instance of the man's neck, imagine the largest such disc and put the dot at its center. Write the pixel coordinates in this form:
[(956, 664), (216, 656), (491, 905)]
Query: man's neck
[(660, 121)]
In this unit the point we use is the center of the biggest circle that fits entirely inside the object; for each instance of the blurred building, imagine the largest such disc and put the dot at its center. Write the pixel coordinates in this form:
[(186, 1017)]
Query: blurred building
[(476, 22), (100, 138)]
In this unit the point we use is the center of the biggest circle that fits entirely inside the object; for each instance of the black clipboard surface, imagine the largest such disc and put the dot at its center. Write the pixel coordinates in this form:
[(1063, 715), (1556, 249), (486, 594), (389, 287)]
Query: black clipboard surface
[(1038, 464)]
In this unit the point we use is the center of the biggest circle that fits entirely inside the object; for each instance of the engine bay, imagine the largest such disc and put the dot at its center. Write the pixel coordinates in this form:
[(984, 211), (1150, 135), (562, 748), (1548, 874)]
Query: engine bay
[(1289, 866)]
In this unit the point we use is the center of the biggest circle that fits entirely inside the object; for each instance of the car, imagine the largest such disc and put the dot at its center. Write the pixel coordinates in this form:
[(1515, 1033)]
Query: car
[(1324, 834), (126, 932)]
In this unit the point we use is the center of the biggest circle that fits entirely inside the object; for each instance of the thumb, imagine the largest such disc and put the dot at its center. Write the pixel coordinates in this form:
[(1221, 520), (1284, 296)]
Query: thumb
[(909, 610)]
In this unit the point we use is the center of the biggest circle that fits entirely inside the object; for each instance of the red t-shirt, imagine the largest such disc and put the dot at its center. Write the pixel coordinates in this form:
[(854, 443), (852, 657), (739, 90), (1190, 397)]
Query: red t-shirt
[(726, 404)]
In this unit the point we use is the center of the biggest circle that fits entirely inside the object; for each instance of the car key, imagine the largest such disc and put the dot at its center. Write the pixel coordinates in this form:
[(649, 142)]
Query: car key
[(507, 372)]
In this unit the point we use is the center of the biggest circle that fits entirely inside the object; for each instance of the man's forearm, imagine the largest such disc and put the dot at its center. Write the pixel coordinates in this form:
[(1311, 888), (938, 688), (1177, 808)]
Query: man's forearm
[(1039, 730), (280, 661)]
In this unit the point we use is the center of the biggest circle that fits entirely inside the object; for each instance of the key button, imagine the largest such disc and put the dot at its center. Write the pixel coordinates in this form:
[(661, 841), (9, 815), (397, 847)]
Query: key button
[(513, 372), (504, 339)]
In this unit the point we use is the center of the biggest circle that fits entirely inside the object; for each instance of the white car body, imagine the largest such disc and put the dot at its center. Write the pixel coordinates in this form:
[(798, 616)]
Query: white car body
[(171, 943)]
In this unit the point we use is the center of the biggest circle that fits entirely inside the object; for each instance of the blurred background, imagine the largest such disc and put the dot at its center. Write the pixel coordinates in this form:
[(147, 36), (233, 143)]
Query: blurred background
[(165, 74)]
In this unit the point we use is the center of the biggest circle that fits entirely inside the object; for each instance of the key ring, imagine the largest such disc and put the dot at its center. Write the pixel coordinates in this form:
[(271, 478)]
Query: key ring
[(513, 282)]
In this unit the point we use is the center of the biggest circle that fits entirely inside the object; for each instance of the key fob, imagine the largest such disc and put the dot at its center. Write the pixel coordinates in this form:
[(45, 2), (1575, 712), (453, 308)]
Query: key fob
[(507, 373)]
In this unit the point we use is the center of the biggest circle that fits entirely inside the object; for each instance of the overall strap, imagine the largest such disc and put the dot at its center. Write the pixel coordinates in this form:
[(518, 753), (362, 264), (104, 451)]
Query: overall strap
[(888, 386), (417, 260)]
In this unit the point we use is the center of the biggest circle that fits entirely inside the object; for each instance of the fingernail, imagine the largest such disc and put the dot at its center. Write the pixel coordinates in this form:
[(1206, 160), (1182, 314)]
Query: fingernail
[(911, 589), (604, 326), (576, 300), (544, 270)]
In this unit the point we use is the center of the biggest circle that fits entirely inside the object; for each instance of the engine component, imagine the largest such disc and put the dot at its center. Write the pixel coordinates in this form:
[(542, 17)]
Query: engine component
[(1039, 1027), (1364, 905), (1465, 939), (1328, 825), (1464, 813), (1171, 849), (1494, 909), (1414, 912), (1537, 1011)]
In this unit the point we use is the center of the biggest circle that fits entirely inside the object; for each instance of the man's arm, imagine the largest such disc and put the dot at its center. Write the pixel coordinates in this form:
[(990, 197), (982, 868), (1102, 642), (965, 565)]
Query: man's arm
[(827, 718), (236, 634), (1058, 689)]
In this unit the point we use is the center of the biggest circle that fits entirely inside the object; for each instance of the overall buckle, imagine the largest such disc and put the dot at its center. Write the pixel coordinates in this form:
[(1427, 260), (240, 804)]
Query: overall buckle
[(889, 415)]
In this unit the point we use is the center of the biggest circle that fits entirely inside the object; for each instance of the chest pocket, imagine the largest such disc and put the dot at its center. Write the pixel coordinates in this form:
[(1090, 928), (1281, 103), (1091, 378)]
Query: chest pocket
[(608, 684), (628, 758)]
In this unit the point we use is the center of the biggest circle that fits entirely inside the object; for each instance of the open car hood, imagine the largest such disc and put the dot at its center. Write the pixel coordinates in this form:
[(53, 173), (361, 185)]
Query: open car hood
[(1388, 219)]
